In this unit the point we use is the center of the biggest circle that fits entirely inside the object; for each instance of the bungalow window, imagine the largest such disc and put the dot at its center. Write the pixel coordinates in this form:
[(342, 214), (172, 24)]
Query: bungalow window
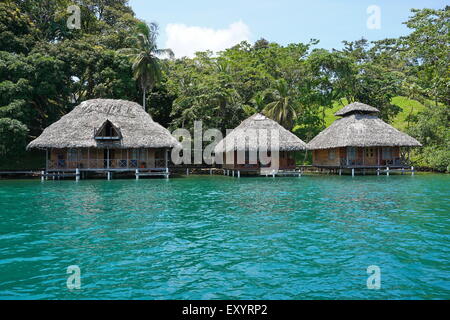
[(351, 153), (134, 154), (387, 154), (72, 155), (331, 154), (108, 132)]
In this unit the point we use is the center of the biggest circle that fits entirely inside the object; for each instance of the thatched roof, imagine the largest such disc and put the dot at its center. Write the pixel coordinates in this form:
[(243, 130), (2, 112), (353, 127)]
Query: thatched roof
[(356, 107), (249, 135), (360, 130), (77, 129)]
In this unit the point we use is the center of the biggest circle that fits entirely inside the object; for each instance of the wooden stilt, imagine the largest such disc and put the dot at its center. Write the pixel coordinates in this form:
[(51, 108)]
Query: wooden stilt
[(166, 158)]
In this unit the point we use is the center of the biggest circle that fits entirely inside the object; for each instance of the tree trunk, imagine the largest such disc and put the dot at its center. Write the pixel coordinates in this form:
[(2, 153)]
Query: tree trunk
[(143, 99)]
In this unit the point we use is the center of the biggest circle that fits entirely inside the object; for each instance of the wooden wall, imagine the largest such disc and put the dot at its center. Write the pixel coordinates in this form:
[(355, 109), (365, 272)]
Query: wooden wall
[(322, 157), (363, 156), (145, 157), (286, 162)]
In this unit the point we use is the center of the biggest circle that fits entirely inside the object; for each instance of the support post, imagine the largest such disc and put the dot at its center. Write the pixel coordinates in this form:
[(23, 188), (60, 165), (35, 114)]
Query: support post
[(107, 159), (187, 171), (340, 171), (412, 171), (273, 173), (42, 176), (353, 172), (167, 173), (233, 173), (238, 174), (137, 174), (166, 158), (387, 171), (46, 160), (378, 171), (77, 174), (210, 171), (108, 175)]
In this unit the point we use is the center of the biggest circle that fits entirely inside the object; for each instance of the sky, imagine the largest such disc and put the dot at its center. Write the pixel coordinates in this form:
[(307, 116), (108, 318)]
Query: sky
[(188, 26)]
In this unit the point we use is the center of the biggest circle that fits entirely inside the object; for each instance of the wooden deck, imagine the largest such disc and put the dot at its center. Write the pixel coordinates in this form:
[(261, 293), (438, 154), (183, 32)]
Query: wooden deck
[(57, 174)]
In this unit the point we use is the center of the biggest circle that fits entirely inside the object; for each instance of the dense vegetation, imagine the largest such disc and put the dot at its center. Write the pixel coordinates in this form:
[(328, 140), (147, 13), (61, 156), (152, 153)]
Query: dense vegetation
[(46, 69)]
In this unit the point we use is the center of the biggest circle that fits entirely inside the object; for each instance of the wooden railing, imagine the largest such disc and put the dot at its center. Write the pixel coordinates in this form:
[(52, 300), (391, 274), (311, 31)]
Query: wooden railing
[(360, 162), (103, 164)]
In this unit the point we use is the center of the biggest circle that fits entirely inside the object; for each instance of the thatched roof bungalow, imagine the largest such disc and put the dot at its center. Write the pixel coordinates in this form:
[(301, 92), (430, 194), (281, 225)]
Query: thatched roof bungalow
[(360, 139), (255, 134), (105, 134)]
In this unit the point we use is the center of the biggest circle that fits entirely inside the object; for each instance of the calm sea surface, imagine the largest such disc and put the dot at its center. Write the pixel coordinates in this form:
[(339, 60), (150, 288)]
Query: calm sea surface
[(223, 238)]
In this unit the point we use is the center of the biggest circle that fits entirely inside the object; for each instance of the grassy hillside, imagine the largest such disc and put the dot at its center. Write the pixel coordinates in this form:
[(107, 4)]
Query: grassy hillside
[(408, 106)]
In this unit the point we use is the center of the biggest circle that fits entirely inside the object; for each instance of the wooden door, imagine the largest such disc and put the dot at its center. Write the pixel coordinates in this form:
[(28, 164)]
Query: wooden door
[(370, 156)]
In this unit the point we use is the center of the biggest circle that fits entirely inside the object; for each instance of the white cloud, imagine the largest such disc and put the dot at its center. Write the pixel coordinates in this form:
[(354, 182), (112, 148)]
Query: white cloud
[(186, 40)]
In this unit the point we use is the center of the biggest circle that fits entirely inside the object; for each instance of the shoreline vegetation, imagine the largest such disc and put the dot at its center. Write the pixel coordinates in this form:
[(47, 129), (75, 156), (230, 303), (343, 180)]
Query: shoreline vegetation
[(46, 69)]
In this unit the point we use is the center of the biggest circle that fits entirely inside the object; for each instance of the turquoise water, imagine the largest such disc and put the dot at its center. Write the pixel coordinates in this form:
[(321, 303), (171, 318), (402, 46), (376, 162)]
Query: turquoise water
[(223, 238)]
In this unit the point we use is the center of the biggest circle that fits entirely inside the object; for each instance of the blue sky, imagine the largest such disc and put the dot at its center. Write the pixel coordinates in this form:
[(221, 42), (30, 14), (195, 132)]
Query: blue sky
[(190, 25)]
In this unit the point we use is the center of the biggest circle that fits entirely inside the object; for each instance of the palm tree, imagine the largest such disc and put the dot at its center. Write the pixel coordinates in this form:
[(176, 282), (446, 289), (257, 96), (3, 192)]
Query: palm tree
[(282, 109), (258, 101), (258, 104), (146, 57)]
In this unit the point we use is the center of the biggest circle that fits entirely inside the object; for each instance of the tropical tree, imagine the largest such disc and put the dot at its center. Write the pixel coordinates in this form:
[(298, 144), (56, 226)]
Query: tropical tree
[(258, 104), (146, 57), (283, 108)]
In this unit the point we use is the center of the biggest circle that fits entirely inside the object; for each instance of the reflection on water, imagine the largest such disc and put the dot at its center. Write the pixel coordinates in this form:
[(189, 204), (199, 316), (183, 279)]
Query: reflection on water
[(222, 238)]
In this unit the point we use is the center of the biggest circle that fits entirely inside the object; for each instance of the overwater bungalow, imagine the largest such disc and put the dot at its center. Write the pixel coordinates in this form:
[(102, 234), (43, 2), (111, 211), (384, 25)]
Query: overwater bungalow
[(361, 140), (105, 135), (253, 135)]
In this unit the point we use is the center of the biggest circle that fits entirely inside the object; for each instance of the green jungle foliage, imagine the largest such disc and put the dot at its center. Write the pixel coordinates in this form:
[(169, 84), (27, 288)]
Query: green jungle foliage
[(46, 69)]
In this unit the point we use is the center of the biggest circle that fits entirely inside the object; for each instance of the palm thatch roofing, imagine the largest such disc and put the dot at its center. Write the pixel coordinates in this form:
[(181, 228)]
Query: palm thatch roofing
[(78, 128), (258, 132), (356, 107), (360, 127)]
